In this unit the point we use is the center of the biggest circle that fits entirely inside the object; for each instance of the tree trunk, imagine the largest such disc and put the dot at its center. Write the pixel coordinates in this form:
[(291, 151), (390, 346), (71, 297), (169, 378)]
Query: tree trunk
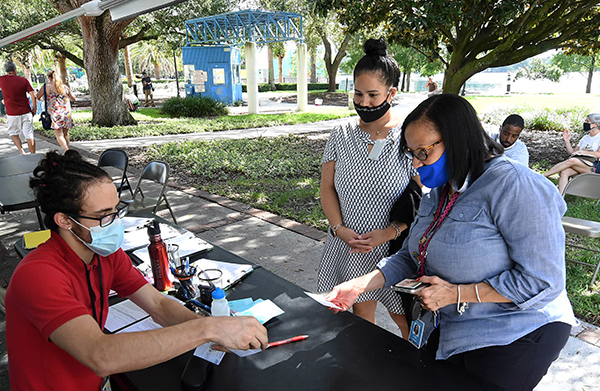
[(408, 80), (128, 68), (271, 68), (280, 58), (333, 65), (156, 70), (314, 78), (403, 81), (588, 87), (101, 53), (62, 68)]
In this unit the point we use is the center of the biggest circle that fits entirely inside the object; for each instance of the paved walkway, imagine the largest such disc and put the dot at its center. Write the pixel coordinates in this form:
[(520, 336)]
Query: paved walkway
[(287, 248)]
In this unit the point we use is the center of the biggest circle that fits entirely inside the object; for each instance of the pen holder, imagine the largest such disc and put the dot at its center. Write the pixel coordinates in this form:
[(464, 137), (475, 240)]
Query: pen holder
[(186, 290)]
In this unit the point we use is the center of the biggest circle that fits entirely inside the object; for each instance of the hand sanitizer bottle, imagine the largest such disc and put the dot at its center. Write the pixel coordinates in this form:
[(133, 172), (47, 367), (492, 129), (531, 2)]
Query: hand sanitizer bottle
[(220, 306)]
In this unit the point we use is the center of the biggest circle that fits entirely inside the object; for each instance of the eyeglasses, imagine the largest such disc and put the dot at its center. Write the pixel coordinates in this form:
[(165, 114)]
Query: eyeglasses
[(108, 219), (420, 154)]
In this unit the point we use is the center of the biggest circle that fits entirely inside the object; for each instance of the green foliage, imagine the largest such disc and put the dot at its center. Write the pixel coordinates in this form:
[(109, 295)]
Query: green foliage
[(278, 174), (539, 69), (574, 62), (556, 119), (194, 107), (151, 122), (476, 35)]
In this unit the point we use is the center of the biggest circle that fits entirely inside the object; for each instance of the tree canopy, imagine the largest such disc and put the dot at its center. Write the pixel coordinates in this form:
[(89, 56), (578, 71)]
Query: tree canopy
[(477, 34)]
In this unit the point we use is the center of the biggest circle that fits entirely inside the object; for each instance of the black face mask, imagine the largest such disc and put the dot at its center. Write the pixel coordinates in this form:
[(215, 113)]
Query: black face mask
[(370, 114), (587, 126)]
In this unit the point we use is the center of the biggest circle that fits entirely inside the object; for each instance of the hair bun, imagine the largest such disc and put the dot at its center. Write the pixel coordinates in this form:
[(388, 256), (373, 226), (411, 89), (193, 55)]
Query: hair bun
[(375, 47)]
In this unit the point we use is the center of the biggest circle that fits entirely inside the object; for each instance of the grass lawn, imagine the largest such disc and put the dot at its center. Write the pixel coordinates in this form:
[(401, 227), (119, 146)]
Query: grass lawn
[(536, 101), (152, 123)]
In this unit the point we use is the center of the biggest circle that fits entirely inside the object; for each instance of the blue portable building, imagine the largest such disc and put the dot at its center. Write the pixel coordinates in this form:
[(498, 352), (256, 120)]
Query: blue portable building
[(213, 71)]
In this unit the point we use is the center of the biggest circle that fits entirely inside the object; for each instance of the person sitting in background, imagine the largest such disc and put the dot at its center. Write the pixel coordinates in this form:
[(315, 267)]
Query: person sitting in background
[(57, 300), (583, 156), (508, 137)]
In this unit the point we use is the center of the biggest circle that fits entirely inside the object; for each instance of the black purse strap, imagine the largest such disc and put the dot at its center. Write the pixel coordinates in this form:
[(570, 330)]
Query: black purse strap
[(45, 99)]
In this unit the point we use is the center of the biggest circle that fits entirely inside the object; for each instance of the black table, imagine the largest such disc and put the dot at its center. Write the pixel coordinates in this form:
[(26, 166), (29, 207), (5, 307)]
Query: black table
[(19, 164), (343, 352), (15, 194)]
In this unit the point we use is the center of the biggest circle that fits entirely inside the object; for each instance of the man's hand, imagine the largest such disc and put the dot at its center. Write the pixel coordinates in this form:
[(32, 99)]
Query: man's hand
[(241, 333)]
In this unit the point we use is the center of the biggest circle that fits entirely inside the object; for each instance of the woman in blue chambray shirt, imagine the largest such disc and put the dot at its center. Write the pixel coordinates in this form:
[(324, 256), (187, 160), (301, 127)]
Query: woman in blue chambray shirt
[(492, 245)]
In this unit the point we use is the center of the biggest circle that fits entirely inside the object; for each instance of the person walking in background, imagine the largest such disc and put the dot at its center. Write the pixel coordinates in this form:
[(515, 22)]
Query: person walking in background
[(583, 156), (19, 112), (59, 107), (147, 83), (431, 85), (363, 174)]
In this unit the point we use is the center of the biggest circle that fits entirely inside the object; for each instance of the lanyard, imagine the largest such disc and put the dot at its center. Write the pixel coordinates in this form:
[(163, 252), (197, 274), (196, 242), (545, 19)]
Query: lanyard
[(92, 294), (445, 204)]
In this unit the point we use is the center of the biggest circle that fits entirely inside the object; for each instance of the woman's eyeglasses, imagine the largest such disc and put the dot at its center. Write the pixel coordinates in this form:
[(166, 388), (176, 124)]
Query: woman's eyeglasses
[(108, 219), (419, 154)]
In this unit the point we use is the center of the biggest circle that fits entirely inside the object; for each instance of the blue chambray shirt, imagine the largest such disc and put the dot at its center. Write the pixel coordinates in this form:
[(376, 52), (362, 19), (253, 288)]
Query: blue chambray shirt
[(504, 229)]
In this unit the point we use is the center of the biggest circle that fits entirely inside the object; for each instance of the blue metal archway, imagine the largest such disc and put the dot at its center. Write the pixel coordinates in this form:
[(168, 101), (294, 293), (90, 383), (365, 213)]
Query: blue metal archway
[(237, 28)]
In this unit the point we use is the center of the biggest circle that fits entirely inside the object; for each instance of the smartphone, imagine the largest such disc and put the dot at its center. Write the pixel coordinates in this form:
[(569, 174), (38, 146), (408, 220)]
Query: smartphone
[(409, 285)]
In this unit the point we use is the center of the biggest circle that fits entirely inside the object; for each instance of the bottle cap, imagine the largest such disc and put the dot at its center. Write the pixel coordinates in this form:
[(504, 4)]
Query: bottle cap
[(153, 228), (218, 294)]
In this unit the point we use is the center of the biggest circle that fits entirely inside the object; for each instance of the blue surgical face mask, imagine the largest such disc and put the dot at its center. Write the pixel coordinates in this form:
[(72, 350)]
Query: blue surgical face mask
[(105, 241), (435, 174)]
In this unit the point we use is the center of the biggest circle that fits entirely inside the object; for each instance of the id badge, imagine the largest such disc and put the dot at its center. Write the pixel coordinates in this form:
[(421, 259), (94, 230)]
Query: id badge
[(105, 384), (376, 150), (417, 328)]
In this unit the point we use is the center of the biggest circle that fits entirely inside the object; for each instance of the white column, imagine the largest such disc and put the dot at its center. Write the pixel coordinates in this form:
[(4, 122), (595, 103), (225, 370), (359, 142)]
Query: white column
[(302, 79), (251, 77)]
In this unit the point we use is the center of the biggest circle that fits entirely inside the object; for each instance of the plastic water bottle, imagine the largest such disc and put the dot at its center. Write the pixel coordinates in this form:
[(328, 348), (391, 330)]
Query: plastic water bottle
[(220, 306)]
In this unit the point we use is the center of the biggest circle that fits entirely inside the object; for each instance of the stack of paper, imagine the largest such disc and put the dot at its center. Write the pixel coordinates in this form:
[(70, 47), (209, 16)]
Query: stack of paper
[(232, 272)]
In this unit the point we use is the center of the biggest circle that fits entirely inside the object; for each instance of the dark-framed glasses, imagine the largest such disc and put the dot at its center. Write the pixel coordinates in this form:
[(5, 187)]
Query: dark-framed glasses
[(419, 154), (108, 219)]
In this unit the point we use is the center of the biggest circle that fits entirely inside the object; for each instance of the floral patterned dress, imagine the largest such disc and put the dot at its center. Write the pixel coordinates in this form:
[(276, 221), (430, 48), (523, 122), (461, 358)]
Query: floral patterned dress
[(59, 107)]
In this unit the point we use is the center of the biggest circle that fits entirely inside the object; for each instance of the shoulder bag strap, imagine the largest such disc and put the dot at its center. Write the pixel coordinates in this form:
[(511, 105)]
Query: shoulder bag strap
[(45, 99)]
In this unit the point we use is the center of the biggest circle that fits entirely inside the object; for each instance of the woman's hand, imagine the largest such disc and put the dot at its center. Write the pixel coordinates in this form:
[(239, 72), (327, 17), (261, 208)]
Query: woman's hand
[(366, 242), (350, 237), (439, 294), (343, 295), (566, 135)]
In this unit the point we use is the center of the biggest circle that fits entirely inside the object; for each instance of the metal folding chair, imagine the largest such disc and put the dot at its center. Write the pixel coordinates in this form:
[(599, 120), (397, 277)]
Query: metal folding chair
[(158, 172), (117, 158), (588, 186)]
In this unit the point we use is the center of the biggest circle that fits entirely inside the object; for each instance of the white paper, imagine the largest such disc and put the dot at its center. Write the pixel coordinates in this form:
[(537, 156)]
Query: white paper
[(134, 223), (143, 325), (123, 314), (320, 298), (135, 239), (244, 353), (205, 352), (231, 271)]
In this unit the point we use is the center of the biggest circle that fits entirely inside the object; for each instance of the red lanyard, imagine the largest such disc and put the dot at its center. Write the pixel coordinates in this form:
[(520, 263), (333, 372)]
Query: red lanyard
[(435, 225)]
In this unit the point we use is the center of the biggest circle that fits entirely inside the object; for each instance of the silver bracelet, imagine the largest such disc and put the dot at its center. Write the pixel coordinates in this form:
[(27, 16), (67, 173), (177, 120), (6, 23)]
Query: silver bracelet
[(397, 228), (461, 307), (336, 227), (477, 293)]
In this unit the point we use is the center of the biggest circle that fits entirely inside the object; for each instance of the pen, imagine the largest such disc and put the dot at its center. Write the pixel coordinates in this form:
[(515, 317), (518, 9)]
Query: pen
[(187, 265), (286, 341), (201, 305), (237, 281)]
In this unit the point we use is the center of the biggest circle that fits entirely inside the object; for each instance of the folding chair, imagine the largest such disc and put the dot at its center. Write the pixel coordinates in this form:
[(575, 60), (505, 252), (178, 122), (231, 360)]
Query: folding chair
[(117, 158), (155, 171), (588, 186)]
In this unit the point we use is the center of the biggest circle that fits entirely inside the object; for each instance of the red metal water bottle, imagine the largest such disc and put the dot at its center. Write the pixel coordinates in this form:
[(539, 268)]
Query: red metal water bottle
[(158, 258)]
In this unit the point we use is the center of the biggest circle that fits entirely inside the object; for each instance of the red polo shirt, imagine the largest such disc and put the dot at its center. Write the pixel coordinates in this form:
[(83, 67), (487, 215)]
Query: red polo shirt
[(47, 289), (14, 90)]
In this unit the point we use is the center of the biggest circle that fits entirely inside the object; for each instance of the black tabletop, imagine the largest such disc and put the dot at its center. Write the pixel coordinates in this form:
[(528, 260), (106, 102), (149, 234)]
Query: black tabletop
[(19, 164), (343, 352), (16, 193)]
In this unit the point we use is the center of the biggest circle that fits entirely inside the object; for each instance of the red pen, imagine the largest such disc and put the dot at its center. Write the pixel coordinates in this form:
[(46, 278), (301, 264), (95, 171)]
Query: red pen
[(286, 341)]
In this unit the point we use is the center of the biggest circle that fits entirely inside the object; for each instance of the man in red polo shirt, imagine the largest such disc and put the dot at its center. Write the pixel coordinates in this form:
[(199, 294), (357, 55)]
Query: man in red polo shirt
[(57, 299), (19, 115)]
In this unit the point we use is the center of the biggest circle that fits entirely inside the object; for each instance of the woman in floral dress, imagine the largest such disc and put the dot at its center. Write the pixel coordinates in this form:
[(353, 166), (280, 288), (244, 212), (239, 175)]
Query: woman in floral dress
[(59, 107)]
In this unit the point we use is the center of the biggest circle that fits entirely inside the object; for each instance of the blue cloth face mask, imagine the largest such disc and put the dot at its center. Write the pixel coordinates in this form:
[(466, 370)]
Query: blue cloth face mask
[(435, 174), (587, 126), (105, 241)]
